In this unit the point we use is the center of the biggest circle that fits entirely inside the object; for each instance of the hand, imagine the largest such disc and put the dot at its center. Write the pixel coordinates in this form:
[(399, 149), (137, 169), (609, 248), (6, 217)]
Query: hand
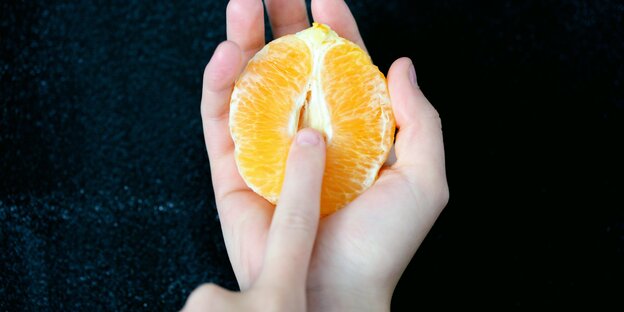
[(281, 283), (360, 251)]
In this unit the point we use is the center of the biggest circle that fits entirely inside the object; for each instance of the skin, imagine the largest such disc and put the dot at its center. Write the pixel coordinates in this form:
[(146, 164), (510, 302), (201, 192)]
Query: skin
[(284, 257)]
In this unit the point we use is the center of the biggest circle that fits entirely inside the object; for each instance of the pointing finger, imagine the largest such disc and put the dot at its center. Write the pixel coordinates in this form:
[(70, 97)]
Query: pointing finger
[(296, 216)]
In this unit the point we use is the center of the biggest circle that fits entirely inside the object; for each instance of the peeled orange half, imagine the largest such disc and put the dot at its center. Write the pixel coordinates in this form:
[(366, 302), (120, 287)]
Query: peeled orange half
[(315, 79)]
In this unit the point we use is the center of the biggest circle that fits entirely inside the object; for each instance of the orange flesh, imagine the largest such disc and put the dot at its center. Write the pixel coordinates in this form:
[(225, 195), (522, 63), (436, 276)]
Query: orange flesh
[(286, 87), (265, 111)]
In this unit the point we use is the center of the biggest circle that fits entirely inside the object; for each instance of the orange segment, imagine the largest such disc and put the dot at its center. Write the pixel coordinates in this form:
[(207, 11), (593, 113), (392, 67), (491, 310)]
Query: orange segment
[(312, 79), (266, 99), (362, 123)]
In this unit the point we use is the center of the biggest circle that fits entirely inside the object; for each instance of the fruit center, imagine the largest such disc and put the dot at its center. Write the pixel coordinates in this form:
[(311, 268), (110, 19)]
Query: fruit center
[(312, 110)]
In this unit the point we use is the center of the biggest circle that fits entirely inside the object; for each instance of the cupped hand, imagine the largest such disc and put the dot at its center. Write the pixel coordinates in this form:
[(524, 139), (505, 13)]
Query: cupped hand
[(360, 251)]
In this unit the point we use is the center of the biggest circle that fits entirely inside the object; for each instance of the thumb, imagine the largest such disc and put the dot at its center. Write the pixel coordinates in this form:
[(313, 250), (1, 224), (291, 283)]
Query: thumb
[(419, 143), (295, 221)]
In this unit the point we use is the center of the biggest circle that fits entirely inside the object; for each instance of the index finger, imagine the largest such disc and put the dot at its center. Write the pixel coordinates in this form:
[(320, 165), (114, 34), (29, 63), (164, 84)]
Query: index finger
[(295, 221)]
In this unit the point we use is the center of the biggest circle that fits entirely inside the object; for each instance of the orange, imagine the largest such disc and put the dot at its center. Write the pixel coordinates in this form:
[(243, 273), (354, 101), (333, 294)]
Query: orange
[(316, 79)]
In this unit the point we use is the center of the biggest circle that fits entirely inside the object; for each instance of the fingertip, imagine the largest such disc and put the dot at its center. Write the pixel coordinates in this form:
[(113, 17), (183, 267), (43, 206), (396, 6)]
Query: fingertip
[(407, 99), (239, 7), (226, 49), (308, 137), (245, 25), (338, 16), (223, 67), (306, 156), (401, 65), (412, 111), (219, 77)]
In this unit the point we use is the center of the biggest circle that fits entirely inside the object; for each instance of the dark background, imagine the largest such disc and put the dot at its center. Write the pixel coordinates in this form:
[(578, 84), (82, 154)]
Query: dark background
[(106, 201)]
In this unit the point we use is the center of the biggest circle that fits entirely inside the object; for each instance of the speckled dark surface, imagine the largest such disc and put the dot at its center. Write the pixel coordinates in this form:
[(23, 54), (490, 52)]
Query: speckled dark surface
[(106, 201)]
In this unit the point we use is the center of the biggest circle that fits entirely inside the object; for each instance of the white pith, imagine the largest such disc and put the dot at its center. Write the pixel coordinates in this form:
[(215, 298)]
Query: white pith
[(316, 114)]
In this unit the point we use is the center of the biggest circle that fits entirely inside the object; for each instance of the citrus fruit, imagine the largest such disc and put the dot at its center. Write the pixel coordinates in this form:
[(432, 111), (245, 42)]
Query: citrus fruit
[(315, 79)]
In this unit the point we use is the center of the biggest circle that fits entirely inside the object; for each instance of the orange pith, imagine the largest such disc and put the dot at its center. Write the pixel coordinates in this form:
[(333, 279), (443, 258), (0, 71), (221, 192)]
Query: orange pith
[(319, 80)]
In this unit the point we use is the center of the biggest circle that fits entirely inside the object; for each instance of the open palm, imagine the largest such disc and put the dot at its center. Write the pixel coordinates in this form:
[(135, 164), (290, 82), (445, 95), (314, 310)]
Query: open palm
[(371, 240)]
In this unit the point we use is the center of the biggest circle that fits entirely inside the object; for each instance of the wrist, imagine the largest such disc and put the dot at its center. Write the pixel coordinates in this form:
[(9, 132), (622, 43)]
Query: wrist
[(348, 299)]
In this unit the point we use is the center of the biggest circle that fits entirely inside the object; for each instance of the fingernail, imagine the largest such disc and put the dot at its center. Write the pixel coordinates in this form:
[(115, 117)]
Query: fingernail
[(412, 75), (308, 137)]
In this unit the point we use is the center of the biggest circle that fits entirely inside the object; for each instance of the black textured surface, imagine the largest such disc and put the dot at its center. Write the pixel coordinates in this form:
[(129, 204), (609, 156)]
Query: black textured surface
[(105, 196)]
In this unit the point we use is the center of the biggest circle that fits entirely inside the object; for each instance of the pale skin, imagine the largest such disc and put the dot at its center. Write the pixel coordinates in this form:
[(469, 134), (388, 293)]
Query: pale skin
[(285, 258)]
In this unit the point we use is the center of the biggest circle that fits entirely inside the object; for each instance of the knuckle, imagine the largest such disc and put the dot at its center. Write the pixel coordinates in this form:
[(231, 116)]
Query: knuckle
[(444, 195), (272, 301), (234, 7), (242, 8), (434, 115), (213, 76), (205, 109), (276, 299), (202, 109), (295, 221), (438, 191), (208, 289), (203, 293), (206, 70)]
